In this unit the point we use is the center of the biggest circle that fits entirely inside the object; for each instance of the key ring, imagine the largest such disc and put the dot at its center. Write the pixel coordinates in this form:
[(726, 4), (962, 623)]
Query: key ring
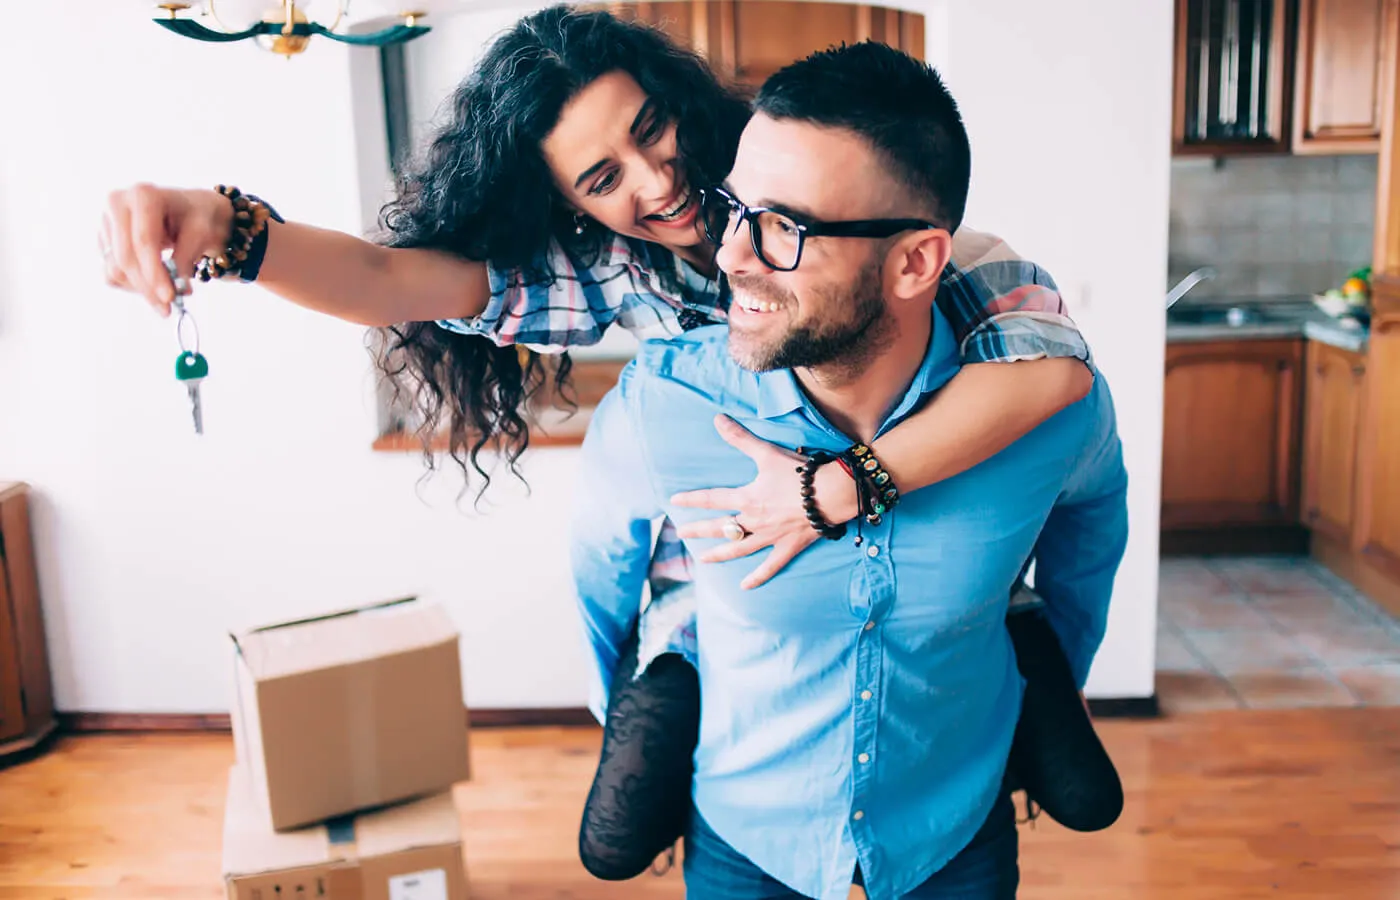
[(182, 290)]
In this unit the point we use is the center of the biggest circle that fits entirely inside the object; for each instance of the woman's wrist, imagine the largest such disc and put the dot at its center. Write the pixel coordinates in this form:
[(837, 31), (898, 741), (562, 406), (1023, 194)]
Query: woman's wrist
[(835, 493)]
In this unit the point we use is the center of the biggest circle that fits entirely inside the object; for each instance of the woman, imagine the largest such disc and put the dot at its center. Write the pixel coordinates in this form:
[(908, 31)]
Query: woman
[(571, 161)]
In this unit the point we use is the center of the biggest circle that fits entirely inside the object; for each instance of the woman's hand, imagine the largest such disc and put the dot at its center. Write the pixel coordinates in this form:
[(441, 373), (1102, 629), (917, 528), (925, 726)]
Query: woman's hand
[(143, 221), (769, 508)]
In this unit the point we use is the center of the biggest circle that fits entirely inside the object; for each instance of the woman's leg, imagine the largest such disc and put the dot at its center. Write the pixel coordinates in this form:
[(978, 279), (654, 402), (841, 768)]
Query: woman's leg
[(639, 804), (1056, 756)]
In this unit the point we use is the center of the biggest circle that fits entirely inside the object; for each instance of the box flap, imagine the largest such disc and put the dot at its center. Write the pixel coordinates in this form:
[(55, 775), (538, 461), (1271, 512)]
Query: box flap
[(251, 846), (346, 636), (429, 822)]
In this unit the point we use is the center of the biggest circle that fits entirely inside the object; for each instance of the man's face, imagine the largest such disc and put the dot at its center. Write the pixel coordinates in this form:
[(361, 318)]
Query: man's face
[(831, 309)]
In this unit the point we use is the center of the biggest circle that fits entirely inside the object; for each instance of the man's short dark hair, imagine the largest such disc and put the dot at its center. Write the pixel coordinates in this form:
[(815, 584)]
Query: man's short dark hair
[(894, 101)]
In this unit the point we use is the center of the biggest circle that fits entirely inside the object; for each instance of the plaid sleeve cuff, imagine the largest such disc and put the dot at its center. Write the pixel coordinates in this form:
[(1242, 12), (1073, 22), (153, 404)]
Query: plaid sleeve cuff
[(1020, 336), (504, 296), (572, 310)]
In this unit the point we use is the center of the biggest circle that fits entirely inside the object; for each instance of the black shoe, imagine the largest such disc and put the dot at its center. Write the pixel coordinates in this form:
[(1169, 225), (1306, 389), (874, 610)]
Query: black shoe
[(1056, 756)]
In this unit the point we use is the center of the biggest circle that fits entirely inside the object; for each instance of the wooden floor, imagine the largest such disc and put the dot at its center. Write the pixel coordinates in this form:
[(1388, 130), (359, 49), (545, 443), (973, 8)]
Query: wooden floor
[(1237, 805)]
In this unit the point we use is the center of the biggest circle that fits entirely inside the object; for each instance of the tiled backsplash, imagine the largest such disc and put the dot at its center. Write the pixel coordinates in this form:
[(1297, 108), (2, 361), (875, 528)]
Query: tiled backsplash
[(1271, 225)]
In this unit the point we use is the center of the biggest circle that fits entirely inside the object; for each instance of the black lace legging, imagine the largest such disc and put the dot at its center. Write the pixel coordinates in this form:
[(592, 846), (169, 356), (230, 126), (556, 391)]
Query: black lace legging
[(640, 800)]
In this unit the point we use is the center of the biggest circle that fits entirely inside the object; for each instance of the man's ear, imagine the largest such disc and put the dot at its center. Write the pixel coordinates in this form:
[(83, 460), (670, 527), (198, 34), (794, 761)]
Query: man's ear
[(916, 262)]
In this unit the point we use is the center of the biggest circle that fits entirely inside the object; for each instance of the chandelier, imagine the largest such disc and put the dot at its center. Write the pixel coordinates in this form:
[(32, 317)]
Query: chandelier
[(284, 28)]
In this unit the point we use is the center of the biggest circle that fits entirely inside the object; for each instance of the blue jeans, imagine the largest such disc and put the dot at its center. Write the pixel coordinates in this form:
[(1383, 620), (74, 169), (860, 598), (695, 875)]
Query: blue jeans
[(986, 869)]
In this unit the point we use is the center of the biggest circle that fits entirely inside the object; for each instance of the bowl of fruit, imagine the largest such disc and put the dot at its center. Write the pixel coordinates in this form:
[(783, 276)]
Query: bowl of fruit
[(1352, 301)]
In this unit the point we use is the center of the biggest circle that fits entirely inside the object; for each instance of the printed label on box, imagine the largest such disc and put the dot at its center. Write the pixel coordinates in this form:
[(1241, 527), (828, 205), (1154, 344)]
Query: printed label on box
[(430, 884)]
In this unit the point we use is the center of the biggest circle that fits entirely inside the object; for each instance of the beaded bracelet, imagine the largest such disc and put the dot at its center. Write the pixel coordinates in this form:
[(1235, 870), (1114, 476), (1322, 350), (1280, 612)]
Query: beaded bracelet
[(808, 471), (247, 242), (881, 495)]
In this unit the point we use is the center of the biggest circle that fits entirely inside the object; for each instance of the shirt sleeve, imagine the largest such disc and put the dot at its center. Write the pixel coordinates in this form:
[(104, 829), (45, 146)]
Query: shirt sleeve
[(572, 309), (615, 504), (1004, 308), (1082, 543)]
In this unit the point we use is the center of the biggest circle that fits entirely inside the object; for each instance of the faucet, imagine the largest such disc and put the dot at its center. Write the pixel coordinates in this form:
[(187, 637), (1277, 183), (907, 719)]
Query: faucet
[(1204, 273)]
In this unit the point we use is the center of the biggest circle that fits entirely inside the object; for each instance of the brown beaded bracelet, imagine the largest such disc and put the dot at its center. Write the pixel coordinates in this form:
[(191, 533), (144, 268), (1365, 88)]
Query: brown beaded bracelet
[(808, 471), (247, 240)]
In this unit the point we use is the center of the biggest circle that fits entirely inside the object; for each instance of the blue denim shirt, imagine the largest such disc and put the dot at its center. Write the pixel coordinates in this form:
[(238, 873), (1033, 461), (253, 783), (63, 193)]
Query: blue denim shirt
[(860, 706)]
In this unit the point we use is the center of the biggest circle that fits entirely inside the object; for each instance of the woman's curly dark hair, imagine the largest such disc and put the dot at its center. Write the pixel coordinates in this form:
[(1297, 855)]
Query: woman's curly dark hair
[(483, 191)]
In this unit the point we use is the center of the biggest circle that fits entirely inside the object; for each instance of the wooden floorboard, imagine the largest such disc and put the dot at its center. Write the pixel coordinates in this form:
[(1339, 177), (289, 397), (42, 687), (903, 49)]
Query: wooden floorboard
[(1221, 806)]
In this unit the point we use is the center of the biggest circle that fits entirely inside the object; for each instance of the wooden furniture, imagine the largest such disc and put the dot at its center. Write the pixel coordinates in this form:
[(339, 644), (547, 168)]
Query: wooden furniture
[(1371, 558), (1231, 444), (1281, 76), (1335, 390), (1231, 77), (748, 40), (1378, 520), (1338, 83), (26, 694)]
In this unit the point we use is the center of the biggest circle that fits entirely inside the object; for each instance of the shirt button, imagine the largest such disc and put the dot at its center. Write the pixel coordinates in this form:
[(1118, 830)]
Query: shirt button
[(866, 695), (869, 625), (873, 551), (864, 757), (858, 815)]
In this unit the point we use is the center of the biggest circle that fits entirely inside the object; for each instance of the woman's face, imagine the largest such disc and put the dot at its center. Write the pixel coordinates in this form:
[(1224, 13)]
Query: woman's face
[(615, 160)]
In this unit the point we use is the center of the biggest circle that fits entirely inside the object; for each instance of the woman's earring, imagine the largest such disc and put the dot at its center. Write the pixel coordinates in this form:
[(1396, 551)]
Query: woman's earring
[(578, 223)]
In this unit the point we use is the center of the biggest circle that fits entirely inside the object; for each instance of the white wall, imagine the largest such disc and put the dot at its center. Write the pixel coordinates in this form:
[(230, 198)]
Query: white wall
[(153, 542), (1068, 105)]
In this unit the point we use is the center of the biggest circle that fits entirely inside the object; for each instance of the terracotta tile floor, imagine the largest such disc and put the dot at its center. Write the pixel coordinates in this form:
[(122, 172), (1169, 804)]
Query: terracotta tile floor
[(1270, 633)]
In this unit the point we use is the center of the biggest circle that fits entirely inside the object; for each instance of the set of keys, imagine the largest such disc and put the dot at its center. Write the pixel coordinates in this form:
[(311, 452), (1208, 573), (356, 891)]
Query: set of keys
[(191, 367)]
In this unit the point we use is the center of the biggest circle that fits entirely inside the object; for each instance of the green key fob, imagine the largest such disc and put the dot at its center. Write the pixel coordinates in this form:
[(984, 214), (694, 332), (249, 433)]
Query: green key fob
[(191, 366)]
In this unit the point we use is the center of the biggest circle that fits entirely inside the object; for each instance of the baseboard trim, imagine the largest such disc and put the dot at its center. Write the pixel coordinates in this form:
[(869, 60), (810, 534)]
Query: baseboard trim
[(1234, 541), (553, 717), (93, 722), (541, 717), (1125, 707)]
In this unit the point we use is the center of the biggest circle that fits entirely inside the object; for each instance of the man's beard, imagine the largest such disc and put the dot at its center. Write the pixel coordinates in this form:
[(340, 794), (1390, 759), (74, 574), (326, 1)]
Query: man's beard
[(841, 346)]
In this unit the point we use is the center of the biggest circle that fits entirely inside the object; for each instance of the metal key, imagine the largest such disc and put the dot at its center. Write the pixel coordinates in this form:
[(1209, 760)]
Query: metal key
[(192, 368)]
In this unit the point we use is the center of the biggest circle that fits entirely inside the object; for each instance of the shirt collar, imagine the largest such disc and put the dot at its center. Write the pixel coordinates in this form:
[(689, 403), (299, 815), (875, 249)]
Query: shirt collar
[(779, 392)]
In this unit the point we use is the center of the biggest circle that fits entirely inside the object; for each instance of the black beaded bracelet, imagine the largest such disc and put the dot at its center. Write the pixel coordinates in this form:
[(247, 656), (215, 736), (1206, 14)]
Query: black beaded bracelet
[(881, 494), (808, 471)]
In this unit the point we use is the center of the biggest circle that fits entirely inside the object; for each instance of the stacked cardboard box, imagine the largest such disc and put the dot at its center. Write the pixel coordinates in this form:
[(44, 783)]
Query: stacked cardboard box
[(349, 731)]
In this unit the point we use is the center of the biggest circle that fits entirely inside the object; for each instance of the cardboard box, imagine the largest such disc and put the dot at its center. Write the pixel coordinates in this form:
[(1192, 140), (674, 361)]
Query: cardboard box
[(349, 711), (412, 851)]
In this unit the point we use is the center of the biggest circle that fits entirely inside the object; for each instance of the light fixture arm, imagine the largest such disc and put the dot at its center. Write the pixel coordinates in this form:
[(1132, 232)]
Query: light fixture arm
[(287, 29)]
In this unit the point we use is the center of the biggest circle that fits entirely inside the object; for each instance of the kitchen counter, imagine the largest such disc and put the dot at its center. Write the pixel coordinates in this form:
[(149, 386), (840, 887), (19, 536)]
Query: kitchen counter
[(1208, 320)]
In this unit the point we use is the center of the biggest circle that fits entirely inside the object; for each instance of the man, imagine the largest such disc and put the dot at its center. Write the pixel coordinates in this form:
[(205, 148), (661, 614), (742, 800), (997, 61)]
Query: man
[(857, 712)]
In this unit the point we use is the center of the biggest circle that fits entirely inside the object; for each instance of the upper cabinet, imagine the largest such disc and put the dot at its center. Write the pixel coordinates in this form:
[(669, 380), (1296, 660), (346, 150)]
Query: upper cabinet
[(748, 41), (1280, 76), (1231, 76), (1342, 46)]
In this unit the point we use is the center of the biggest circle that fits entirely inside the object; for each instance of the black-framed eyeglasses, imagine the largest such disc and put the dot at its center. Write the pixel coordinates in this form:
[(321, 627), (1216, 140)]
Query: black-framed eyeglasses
[(777, 237)]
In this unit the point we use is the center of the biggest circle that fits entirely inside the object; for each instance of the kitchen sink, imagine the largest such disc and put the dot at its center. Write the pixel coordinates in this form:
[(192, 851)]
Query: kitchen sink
[(1231, 316)]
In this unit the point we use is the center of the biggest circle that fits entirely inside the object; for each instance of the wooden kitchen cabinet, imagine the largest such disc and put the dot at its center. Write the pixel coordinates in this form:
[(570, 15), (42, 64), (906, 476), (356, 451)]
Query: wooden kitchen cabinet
[(748, 40), (1378, 518), (1339, 78), (1231, 76), (26, 695), (1231, 435), (1333, 406)]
